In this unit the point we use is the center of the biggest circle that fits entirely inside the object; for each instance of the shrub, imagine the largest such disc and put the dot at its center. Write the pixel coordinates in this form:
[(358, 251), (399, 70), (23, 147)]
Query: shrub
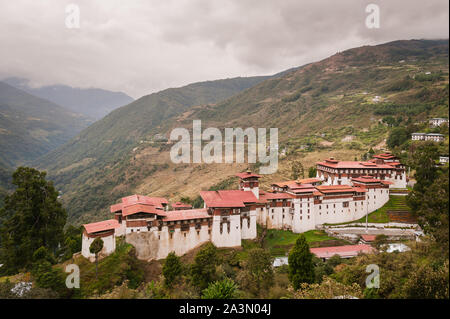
[(225, 289)]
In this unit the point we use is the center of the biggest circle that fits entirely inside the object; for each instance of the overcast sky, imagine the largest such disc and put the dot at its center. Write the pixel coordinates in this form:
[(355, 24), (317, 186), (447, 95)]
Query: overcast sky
[(140, 47)]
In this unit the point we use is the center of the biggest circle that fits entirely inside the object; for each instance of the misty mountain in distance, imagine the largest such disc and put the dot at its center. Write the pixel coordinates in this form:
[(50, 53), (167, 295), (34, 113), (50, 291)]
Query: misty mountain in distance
[(91, 102), (31, 126)]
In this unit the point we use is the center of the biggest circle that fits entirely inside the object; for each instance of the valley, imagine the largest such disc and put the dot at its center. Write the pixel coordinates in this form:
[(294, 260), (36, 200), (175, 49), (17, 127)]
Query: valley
[(335, 107)]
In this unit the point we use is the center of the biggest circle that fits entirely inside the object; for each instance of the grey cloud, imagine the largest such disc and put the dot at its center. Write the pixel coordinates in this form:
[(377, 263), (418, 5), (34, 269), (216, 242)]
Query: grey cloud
[(142, 46)]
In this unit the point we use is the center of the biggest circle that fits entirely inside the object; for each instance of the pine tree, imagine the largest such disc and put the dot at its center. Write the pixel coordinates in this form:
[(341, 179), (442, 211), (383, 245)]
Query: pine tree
[(203, 270), (312, 172), (172, 269), (31, 218), (301, 267)]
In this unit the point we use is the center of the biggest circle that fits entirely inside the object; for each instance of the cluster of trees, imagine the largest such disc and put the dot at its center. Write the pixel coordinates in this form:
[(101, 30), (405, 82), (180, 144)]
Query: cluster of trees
[(32, 236), (429, 197), (220, 277), (31, 218), (212, 276)]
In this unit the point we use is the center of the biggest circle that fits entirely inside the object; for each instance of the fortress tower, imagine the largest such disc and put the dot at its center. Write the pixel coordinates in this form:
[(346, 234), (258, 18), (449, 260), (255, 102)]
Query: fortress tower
[(249, 182)]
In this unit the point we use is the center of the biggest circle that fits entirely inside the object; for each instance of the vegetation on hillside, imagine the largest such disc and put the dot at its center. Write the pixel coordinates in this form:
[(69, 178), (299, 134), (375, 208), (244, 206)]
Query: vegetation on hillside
[(31, 126), (352, 101)]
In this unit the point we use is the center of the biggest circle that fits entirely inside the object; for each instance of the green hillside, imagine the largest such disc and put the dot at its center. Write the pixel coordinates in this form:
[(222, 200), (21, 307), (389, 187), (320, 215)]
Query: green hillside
[(335, 97), (31, 126), (106, 144), (338, 105)]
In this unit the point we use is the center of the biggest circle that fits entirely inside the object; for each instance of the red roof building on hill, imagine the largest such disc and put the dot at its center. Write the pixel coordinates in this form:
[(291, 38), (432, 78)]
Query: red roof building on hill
[(280, 186), (248, 174), (368, 238), (385, 167), (180, 206), (346, 251), (140, 208), (228, 198), (187, 214), (157, 202), (102, 226), (386, 157)]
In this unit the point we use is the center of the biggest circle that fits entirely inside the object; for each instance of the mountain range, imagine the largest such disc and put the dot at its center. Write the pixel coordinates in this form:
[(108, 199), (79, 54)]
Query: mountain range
[(332, 107), (93, 103)]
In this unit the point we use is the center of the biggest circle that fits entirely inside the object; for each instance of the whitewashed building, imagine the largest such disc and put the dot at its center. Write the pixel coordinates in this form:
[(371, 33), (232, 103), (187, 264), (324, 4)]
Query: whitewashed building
[(226, 219), (435, 137), (340, 193), (438, 121), (385, 167), (106, 231)]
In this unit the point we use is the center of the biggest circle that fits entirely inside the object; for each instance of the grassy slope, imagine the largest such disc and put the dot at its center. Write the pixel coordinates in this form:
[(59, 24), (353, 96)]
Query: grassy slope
[(322, 109), (395, 203)]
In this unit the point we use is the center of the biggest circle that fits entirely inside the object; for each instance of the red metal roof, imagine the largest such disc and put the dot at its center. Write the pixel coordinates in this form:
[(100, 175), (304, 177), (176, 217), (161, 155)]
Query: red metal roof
[(359, 189), (385, 156), (394, 163), (278, 196), (139, 199), (247, 175), (303, 190), (140, 208), (368, 238), (343, 251), (101, 226), (334, 188), (186, 214), (228, 198), (297, 182), (366, 179), (353, 164), (116, 208), (134, 199), (180, 204)]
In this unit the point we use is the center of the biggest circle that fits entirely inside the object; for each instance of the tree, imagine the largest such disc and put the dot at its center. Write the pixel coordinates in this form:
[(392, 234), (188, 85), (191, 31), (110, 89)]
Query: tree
[(257, 276), (312, 172), (45, 276), (423, 160), (301, 267), (432, 210), (297, 170), (31, 218), (397, 137), (321, 269), (428, 282), (225, 289), (328, 289), (203, 270), (172, 269), (74, 238), (96, 247)]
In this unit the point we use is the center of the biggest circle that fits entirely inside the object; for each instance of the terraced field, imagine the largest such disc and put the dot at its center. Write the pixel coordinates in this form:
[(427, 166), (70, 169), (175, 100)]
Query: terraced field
[(387, 213)]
